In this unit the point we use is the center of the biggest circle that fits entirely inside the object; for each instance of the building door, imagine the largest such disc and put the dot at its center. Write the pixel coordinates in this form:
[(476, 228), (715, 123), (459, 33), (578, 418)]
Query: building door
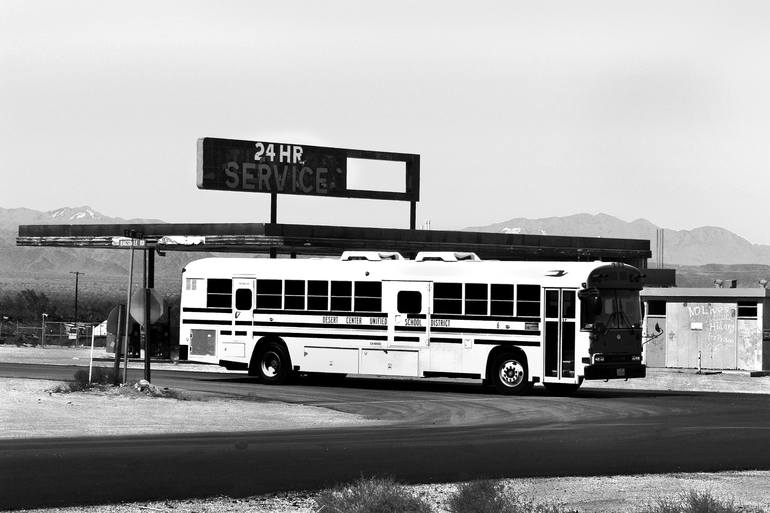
[(559, 321)]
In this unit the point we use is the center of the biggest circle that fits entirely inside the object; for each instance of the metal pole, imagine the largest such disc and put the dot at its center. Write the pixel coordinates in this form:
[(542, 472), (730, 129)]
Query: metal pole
[(116, 367), (128, 308), (91, 363), (42, 338), (273, 217), (147, 299), (412, 214)]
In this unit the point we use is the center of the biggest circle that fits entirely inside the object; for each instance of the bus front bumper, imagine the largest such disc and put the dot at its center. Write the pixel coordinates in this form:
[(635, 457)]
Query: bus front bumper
[(615, 371)]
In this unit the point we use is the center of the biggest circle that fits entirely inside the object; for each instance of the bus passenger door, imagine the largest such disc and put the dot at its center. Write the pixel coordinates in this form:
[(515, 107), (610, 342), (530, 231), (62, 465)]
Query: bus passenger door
[(559, 324), (407, 304), (236, 345)]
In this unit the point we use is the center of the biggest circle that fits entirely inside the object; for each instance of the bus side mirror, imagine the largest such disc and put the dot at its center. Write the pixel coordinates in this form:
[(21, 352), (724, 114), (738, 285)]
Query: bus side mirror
[(657, 328)]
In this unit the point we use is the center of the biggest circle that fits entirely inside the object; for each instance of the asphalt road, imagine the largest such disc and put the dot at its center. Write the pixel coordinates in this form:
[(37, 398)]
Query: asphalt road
[(438, 432)]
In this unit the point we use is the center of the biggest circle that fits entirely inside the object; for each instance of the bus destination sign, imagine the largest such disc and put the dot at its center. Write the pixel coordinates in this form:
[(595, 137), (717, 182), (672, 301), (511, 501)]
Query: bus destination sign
[(283, 168)]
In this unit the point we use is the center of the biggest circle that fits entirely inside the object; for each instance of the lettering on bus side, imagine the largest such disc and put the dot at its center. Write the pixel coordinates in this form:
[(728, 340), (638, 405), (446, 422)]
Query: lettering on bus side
[(439, 323), (378, 321), (330, 319), (413, 322), (353, 320)]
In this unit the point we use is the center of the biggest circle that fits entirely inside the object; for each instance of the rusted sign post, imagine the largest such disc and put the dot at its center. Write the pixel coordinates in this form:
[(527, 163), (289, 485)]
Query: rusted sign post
[(284, 168)]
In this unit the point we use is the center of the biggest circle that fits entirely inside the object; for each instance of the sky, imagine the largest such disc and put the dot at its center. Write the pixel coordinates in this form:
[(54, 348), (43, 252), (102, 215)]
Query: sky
[(657, 109)]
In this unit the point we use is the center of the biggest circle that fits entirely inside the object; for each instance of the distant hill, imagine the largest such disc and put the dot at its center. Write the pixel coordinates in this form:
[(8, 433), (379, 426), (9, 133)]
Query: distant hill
[(106, 271), (699, 246), (11, 218), (700, 255), (747, 275)]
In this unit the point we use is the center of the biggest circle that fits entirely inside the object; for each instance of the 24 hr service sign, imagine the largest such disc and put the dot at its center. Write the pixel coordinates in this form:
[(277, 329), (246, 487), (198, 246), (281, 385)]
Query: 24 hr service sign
[(284, 168), (257, 166)]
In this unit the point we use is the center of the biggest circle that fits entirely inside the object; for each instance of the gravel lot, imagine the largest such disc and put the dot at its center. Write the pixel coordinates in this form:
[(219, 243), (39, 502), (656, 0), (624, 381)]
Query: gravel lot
[(27, 409)]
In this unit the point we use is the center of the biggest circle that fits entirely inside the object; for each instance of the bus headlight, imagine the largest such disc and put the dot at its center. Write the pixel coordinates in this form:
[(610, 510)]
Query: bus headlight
[(636, 358), (598, 358)]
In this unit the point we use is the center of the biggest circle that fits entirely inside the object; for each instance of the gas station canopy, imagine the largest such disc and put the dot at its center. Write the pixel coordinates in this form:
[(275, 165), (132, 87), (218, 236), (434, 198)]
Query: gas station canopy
[(293, 239)]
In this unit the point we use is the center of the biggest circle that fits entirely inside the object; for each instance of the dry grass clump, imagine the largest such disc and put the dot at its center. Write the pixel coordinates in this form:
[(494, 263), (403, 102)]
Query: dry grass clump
[(371, 495)]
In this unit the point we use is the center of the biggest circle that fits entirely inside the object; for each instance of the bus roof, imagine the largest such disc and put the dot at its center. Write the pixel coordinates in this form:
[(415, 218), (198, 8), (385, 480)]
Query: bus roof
[(556, 274)]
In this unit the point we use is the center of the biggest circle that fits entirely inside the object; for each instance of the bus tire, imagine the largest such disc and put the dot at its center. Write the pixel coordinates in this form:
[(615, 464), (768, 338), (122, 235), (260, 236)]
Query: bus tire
[(272, 364), (561, 389), (509, 373)]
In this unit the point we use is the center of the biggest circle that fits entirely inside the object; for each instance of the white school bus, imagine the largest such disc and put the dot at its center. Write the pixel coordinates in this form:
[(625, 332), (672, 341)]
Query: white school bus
[(510, 324)]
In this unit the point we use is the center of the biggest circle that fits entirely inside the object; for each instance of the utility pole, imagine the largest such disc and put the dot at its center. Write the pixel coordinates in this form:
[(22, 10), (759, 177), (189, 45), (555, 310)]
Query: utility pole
[(77, 275), (77, 328)]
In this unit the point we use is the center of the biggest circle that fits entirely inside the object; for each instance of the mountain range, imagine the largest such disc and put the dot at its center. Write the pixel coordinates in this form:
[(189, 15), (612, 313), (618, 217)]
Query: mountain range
[(48, 269), (700, 254), (699, 246)]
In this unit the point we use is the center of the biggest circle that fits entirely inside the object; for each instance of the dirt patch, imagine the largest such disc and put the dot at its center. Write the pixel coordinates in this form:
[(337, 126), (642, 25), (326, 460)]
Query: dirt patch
[(29, 410), (689, 380), (56, 355)]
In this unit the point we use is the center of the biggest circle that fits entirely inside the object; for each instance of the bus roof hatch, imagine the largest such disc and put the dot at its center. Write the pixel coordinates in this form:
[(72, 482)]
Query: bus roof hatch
[(446, 256), (373, 256)]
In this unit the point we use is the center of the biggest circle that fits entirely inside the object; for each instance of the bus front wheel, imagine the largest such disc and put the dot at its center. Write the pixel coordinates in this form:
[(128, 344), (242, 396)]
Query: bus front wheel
[(509, 374), (272, 364)]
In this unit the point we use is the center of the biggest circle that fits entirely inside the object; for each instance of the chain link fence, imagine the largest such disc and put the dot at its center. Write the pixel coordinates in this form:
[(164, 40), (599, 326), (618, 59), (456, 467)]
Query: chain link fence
[(53, 333)]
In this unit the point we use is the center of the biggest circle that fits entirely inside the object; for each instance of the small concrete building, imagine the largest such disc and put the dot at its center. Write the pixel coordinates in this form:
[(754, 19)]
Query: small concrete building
[(723, 328)]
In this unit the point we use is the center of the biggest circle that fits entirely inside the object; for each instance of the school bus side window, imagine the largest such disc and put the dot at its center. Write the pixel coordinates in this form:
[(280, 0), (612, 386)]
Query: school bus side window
[(528, 300), (294, 298), (448, 298), (219, 293), (269, 294), (318, 295)]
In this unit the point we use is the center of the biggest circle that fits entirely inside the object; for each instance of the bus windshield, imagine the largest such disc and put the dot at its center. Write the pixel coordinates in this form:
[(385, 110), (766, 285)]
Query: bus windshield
[(614, 308)]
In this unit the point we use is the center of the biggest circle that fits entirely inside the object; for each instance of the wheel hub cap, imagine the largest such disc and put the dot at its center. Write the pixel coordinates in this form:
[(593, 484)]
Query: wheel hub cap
[(271, 364), (511, 373)]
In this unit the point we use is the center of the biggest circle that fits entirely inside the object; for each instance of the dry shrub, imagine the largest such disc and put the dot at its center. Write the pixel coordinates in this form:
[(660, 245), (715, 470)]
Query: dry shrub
[(101, 377), (491, 497), (371, 495), (697, 502)]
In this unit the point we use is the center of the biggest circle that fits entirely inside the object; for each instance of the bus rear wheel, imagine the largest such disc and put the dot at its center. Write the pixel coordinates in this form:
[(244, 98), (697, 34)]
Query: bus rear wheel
[(509, 374), (272, 364)]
